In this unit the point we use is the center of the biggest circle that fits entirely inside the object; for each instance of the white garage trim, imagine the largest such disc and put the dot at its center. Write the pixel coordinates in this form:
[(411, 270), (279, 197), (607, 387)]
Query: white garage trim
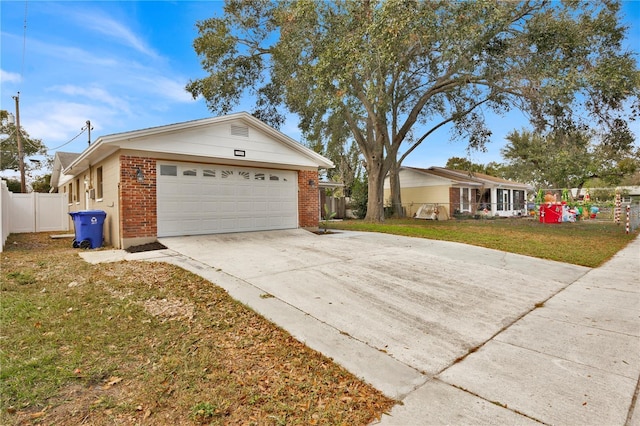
[(197, 199)]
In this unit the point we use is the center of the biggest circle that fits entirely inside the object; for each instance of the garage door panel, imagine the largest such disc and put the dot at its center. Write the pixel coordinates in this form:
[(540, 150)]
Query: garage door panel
[(199, 199), (191, 225), (262, 222), (244, 190), (261, 206), (245, 207), (261, 191), (210, 225), (226, 207), (225, 190), (209, 206), (228, 225)]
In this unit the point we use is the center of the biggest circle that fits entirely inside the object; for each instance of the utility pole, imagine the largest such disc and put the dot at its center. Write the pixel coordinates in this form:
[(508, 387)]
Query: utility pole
[(23, 184), (88, 128)]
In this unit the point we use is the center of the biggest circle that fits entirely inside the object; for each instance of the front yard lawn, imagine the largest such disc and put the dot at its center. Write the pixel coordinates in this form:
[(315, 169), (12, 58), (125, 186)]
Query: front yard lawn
[(586, 243), (149, 343)]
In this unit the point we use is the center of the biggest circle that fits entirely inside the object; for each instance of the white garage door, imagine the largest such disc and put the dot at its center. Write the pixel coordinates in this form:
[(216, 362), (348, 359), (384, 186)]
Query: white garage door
[(209, 199)]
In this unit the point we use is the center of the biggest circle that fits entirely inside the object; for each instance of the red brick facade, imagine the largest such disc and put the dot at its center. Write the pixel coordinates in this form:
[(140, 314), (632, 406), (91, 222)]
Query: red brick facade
[(308, 199), (454, 200), (138, 201)]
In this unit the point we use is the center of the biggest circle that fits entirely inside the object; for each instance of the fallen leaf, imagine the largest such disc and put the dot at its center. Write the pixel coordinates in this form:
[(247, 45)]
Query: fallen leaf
[(112, 381)]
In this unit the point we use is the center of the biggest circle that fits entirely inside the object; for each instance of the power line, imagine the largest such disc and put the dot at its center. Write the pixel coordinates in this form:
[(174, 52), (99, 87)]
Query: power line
[(24, 41), (66, 143)]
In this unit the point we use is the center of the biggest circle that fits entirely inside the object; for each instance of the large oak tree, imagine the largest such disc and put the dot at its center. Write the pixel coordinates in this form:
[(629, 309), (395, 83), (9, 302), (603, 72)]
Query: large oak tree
[(387, 74)]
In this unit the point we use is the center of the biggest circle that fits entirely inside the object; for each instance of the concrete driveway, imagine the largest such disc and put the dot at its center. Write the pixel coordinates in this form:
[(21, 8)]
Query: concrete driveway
[(418, 305), (461, 335)]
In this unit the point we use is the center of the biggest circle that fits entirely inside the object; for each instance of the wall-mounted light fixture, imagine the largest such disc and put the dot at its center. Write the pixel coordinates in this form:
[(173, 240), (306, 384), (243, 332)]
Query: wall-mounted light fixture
[(312, 183), (239, 152), (139, 175)]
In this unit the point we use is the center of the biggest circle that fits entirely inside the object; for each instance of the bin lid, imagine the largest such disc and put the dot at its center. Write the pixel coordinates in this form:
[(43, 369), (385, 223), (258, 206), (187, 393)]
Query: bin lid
[(90, 212)]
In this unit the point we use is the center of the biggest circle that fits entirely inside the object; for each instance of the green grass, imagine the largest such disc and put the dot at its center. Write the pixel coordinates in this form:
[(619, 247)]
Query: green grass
[(143, 343), (587, 243)]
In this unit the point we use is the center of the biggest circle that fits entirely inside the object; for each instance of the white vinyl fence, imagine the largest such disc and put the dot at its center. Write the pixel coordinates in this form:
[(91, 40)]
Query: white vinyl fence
[(33, 212)]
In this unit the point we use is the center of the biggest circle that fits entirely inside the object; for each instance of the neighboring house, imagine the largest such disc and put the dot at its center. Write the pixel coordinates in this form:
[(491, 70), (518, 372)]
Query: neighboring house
[(442, 193), (216, 175)]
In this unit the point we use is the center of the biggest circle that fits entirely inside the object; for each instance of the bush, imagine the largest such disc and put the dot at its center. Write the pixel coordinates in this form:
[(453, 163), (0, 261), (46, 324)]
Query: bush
[(360, 196)]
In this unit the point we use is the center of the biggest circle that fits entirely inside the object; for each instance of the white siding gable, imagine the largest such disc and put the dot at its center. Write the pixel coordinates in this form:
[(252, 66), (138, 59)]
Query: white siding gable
[(229, 140), (414, 179)]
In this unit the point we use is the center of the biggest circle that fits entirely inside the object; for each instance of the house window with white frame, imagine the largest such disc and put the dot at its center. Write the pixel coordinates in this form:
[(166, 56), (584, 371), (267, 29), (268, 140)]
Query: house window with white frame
[(99, 183), (518, 199), (465, 199), (504, 199)]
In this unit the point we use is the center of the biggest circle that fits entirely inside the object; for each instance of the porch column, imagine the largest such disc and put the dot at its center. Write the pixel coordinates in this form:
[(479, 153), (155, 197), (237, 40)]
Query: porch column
[(493, 199)]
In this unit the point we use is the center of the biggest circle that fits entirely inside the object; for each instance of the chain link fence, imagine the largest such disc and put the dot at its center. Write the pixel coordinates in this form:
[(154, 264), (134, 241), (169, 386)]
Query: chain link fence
[(441, 211)]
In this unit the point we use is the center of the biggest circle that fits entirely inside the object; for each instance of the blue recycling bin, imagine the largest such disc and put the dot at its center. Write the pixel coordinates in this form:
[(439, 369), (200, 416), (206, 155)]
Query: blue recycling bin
[(88, 225)]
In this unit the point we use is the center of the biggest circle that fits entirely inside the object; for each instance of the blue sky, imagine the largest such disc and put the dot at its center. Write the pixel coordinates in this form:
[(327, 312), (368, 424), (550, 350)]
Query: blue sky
[(124, 65)]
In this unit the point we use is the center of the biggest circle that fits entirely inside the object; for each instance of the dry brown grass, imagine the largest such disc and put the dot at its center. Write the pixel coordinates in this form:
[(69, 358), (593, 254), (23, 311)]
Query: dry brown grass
[(147, 343)]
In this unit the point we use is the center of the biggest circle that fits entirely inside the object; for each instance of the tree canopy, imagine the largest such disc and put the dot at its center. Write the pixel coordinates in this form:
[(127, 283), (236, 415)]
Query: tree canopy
[(568, 158), (9, 144), (459, 163), (386, 75)]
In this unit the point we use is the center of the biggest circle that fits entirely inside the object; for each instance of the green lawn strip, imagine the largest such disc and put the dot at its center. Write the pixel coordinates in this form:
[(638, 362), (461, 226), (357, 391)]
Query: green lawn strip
[(582, 243)]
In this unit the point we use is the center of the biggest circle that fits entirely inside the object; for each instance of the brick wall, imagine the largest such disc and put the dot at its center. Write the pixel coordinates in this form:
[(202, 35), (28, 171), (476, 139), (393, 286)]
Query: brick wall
[(138, 206), (454, 200), (308, 199)]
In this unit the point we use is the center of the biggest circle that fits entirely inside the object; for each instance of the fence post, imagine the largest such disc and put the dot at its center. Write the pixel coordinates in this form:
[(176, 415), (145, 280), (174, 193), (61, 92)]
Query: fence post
[(628, 217)]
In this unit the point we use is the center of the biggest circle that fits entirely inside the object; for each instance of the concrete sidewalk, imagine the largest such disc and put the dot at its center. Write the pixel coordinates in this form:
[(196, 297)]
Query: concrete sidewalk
[(459, 334)]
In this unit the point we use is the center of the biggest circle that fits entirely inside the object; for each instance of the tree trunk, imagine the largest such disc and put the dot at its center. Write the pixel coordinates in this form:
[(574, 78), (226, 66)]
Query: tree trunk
[(375, 203), (396, 199)]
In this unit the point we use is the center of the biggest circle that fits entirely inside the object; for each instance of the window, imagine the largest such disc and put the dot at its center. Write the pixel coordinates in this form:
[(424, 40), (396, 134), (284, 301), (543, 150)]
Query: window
[(99, 183), (77, 196), (465, 197), (259, 176), (166, 170), (518, 200), (244, 175), (504, 199), (189, 172), (226, 174), (274, 177), (209, 173), (70, 198)]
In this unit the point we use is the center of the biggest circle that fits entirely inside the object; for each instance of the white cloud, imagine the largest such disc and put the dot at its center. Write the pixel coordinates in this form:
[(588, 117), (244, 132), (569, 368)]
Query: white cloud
[(69, 54), (9, 77), (103, 24), (98, 96), (165, 87), (58, 122)]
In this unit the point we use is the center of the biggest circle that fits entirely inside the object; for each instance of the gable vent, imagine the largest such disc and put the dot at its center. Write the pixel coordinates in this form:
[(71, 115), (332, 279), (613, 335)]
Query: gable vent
[(239, 130)]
